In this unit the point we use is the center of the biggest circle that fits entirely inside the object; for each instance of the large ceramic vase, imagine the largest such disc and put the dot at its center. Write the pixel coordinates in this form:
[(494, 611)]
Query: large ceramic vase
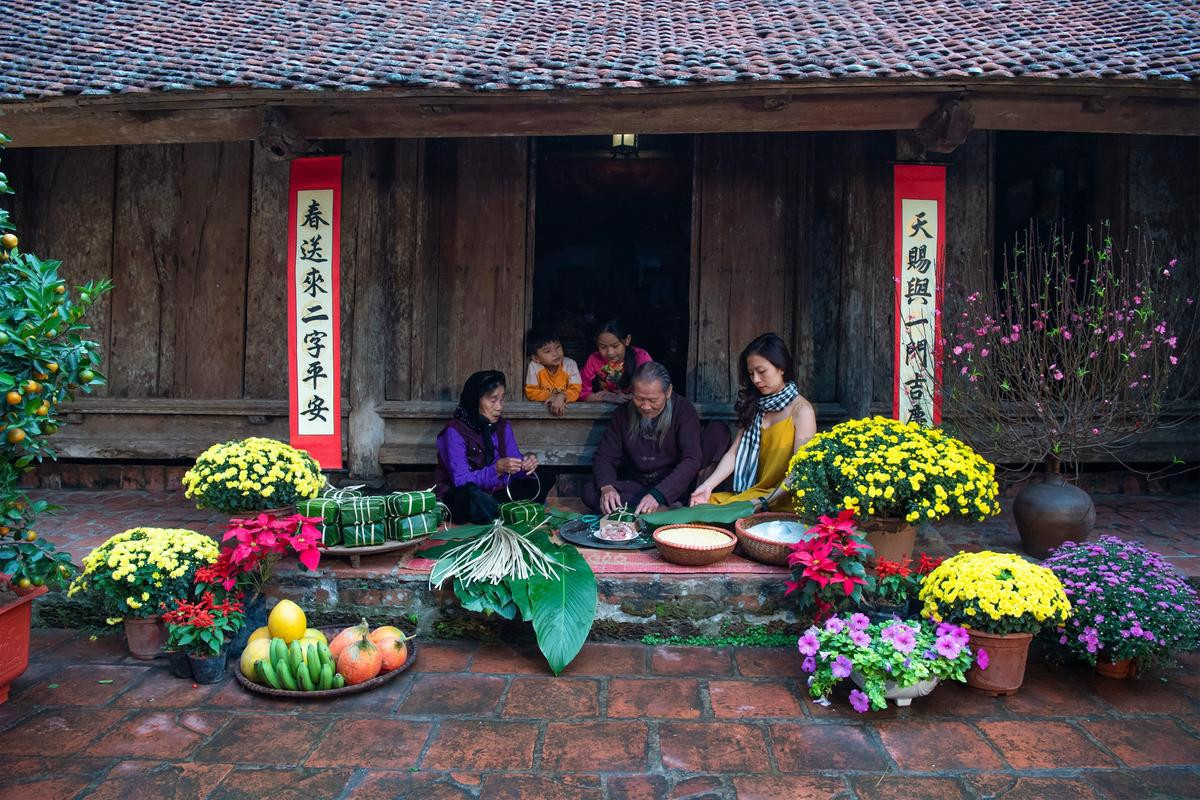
[(1052, 512), (145, 637), (892, 539), (1006, 657), (15, 619)]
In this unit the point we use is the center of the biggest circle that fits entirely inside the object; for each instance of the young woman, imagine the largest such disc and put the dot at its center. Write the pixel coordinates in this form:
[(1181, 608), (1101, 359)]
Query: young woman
[(479, 463), (608, 373), (774, 422)]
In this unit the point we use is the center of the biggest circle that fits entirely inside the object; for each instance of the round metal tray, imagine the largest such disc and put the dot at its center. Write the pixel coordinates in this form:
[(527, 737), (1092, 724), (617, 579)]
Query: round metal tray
[(321, 694), (578, 532)]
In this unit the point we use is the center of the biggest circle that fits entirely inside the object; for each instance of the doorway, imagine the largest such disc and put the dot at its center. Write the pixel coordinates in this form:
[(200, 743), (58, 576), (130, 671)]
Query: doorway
[(613, 240)]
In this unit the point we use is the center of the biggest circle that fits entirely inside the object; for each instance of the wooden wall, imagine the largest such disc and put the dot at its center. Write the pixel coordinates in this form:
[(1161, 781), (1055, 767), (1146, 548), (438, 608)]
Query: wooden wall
[(791, 233)]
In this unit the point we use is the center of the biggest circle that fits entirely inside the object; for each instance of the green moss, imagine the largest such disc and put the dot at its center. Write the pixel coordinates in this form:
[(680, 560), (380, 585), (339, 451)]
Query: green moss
[(731, 636)]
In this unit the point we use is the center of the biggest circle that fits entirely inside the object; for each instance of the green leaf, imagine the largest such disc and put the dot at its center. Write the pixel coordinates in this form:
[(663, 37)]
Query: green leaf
[(563, 609), (106, 680), (706, 513), (519, 589)]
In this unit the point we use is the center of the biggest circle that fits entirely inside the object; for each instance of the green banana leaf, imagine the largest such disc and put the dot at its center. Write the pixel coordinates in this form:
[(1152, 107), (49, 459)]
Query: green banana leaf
[(563, 609), (706, 513)]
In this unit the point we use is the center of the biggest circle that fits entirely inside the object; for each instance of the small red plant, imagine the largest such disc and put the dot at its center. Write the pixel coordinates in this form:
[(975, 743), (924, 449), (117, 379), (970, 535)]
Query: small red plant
[(897, 582), (829, 567), (204, 627), (252, 546)]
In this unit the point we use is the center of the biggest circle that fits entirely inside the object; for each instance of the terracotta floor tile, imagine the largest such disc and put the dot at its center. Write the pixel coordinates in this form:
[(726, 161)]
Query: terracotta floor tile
[(803, 748), (552, 698), (1140, 784), (57, 732), (442, 695), (699, 787), (1142, 745), (595, 746), (479, 745), (767, 662), (927, 746), (502, 659), (246, 783), (608, 659), (81, 685), (674, 698), (132, 780), (700, 661), (43, 639), (388, 785), (1043, 745), (380, 743), (160, 689), (83, 648), (444, 656), (744, 699), (532, 787), (709, 747), (1061, 693), (1147, 695), (792, 787), (264, 739), (158, 734), (1025, 787), (32, 777), (898, 787), (637, 787)]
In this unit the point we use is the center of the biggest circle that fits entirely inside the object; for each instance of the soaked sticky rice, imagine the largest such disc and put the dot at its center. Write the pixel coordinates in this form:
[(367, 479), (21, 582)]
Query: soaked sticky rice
[(779, 530)]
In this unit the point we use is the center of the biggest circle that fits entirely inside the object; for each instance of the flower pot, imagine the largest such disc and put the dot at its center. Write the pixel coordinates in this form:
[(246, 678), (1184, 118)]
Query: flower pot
[(208, 669), (1007, 653), (14, 633), (893, 539), (1052, 512), (1122, 668), (901, 695), (145, 637), (178, 662), (256, 617)]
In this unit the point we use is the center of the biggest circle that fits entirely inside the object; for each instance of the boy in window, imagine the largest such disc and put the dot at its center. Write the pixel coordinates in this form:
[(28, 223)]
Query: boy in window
[(552, 378)]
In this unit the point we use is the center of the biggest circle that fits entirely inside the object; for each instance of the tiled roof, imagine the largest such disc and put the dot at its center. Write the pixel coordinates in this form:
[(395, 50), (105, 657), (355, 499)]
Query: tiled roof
[(103, 47)]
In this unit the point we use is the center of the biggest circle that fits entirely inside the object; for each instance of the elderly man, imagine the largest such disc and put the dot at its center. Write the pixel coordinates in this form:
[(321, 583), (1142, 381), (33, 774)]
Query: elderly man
[(651, 450)]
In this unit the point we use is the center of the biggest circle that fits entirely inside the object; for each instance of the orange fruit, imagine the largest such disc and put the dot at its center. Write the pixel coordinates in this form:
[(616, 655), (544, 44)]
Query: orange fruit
[(9, 240), (13, 398), (24, 583), (41, 376), (43, 409), (86, 376), (32, 387), (52, 367), (30, 536), (60, 289), (15, 436)]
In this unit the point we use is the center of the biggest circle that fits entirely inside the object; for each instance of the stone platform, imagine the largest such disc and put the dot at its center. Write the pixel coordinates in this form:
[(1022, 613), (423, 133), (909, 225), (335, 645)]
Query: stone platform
[(639, 593)]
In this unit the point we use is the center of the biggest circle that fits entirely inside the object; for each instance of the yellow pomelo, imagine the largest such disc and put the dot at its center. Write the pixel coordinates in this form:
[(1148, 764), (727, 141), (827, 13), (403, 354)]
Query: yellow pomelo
[(287, 621), (258, 650), (313, 633), (260, 633)]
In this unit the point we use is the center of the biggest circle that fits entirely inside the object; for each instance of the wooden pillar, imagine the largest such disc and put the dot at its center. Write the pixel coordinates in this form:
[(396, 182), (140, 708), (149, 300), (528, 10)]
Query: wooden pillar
[(368, 177)]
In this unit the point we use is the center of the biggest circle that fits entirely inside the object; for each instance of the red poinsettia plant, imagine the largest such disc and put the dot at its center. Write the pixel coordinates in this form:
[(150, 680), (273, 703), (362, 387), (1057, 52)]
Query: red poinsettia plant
[(829, 566), (203, 627), (252, 546), (897, 582)]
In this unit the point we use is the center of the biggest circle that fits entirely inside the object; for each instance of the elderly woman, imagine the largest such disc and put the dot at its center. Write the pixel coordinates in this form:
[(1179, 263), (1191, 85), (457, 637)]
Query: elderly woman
[(651, 451), (479, 464)]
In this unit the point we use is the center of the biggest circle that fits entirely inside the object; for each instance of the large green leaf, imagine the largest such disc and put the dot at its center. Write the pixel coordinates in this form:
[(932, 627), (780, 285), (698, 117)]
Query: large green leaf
[(706, 513), (563, 609)]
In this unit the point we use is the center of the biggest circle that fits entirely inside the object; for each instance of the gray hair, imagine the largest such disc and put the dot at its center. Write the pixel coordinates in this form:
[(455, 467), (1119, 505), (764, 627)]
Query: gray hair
[(656, 428)]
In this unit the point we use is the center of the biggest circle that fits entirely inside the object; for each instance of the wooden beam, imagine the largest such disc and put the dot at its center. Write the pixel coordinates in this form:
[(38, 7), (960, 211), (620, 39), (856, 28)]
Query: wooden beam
[(198, 117)]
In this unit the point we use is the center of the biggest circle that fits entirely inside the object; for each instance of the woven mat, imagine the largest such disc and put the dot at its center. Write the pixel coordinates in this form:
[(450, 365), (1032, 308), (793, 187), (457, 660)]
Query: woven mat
[(627, 562)]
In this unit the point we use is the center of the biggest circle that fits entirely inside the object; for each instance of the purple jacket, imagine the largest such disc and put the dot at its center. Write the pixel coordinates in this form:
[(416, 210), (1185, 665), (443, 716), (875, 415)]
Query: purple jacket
[(460, 457)]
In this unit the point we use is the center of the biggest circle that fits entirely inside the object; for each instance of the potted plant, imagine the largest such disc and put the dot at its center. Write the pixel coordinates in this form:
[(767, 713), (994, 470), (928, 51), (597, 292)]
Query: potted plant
[(893, 660), (1132, 609), (897, 584), (1002, 600), (829, 566), (45, 358), (1062, 359), (203, 629), (134, 574), (250, 550), (892, 475), (252, 474)]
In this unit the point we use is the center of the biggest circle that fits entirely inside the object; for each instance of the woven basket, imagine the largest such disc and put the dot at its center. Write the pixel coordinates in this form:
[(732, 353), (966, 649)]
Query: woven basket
[(694, 555), (764, 551)]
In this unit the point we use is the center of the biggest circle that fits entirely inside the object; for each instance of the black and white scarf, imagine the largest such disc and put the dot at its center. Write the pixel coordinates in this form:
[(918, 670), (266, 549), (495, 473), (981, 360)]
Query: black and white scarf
[(745, 468)]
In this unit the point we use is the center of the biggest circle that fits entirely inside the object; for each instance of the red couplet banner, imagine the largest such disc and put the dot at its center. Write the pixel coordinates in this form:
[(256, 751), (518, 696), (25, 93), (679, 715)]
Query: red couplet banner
[(314, 340), (920, 246)]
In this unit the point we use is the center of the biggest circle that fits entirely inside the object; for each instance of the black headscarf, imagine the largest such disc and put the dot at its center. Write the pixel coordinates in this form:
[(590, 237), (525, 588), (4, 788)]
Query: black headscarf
[(479, 384)]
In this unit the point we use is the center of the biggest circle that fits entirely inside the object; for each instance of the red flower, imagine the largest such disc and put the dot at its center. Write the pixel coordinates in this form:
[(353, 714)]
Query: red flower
[(927, 565), (886, 569)]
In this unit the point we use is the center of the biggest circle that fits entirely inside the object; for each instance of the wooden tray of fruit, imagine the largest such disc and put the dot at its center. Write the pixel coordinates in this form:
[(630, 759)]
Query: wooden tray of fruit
[(278, 679)]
